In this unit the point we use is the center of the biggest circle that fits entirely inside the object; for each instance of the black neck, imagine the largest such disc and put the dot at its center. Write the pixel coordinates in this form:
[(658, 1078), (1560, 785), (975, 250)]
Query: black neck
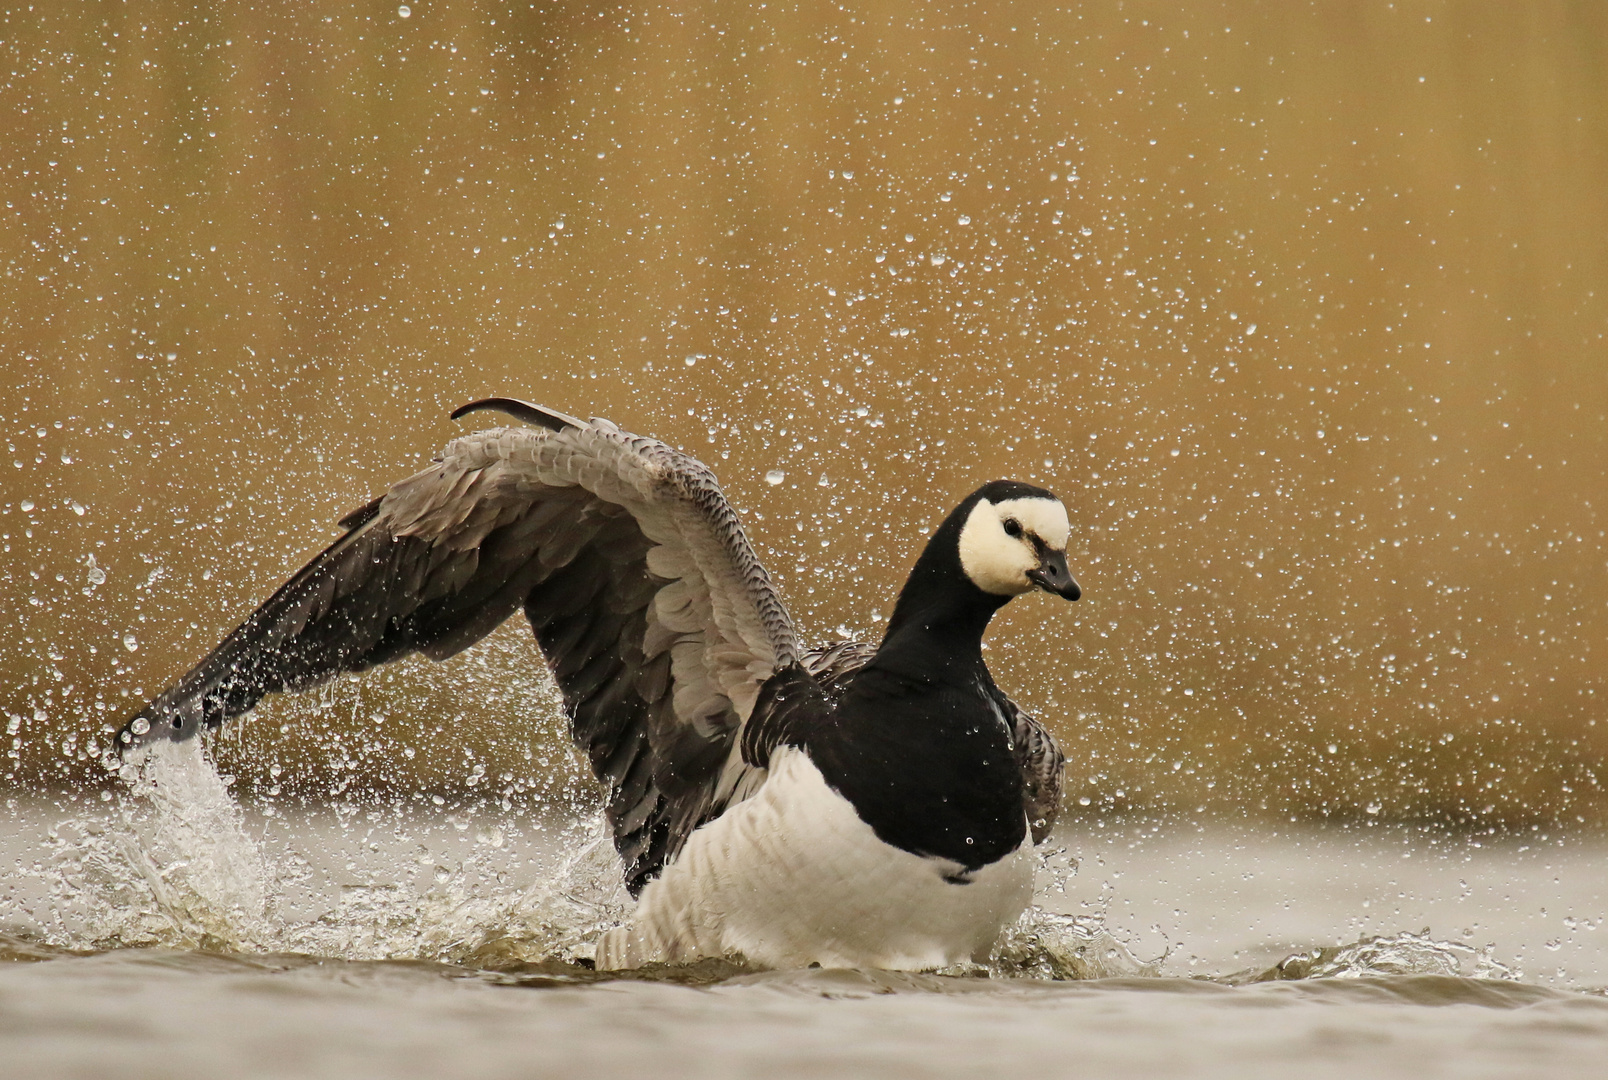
[(937, 625)]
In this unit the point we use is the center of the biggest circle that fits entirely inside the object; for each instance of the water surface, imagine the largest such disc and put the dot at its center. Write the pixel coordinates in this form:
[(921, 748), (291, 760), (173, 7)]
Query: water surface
[(170, 931), (189, 1014)]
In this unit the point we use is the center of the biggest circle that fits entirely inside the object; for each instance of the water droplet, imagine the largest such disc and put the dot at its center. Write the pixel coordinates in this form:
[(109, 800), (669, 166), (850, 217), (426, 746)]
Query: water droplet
[(97, 576), (404, 11), (78, 508), (824, 482), (774, 477), (965, 219), (27, 505), (140, 725), (130, 643), (938, 260)]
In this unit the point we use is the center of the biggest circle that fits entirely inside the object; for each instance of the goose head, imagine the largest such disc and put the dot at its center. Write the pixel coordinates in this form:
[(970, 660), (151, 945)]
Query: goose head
[(1013, 540)]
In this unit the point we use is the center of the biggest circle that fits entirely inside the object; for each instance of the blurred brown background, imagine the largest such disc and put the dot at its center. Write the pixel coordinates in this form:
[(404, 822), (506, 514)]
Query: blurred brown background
[(1301, 308)]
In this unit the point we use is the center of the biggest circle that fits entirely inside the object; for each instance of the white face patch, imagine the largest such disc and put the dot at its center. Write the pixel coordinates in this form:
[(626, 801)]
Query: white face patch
[(998, 562)]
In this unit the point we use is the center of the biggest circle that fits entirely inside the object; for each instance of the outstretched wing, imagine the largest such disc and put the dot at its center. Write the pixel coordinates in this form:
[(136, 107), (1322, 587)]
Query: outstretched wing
[(1039, 758), (657, 620)]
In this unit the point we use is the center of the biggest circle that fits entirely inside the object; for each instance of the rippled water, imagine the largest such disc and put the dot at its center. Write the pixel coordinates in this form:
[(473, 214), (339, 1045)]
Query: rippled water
[(169, 931), (192, 1014)]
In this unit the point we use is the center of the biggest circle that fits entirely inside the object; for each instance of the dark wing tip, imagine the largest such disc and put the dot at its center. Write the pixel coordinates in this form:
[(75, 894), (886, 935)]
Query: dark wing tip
[(362, 515), (520, 410), (149, 725)]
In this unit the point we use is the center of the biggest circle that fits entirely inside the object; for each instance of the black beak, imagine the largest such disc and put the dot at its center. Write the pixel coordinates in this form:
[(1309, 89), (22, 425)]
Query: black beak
[(1052, 575)]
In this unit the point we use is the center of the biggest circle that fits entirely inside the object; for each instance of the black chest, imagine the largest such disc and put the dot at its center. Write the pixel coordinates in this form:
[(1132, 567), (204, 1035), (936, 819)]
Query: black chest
[(929, 765)]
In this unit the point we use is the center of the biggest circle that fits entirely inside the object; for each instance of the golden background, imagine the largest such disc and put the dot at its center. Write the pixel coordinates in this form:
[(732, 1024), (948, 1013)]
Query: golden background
[(1301, 309)]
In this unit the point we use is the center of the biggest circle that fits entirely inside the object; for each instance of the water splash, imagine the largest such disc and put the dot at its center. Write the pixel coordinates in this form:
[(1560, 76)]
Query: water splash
[(173, 865), (1405, 953), (1048, 945), (558, 918)]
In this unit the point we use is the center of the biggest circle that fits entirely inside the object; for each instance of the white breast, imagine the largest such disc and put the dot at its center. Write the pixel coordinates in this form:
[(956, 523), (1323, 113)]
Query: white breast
[(792, 877)]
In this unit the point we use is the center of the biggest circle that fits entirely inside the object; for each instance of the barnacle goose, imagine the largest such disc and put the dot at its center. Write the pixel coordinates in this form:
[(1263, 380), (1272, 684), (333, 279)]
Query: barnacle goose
[(847, 806)]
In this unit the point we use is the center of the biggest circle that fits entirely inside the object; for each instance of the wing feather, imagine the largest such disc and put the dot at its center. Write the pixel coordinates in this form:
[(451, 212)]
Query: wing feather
[(1043, 771), (654, 615)]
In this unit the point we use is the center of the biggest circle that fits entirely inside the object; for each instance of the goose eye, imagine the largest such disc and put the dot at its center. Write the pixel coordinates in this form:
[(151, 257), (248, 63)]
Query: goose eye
[(1013, 527)]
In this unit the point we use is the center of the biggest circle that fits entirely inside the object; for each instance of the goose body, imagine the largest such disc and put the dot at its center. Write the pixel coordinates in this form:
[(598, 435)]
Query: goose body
[(794, 876), (847, 806)]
